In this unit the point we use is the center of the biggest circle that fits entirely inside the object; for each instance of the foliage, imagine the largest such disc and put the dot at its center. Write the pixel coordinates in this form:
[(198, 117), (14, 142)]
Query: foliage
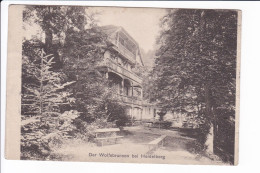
[(139, 70), (55, 22), (195, 68), (65, 78), (198, 51), (41, 135), (162, 124), (83, 54), (116, 112), (78, 47), (44, 90)]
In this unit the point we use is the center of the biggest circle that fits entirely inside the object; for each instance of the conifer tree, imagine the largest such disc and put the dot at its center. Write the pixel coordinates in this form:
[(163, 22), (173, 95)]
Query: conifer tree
[(43, 122)]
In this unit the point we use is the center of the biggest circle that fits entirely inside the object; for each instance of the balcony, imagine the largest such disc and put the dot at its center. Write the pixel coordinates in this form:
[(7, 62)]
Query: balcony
[(119, 69), (123, 50), (130, 100)]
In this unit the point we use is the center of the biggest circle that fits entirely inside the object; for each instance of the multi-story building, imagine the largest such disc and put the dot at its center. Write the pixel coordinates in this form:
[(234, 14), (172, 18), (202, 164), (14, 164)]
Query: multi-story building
[(119, 63)]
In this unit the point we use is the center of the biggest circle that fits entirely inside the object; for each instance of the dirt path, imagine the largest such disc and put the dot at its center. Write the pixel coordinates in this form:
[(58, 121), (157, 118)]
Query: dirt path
[(177, 148), (133, 148)]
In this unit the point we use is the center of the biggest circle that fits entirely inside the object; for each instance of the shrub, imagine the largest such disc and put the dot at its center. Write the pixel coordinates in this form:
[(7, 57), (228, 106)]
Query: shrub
[(162, 124), (40, 135), (116, 112)]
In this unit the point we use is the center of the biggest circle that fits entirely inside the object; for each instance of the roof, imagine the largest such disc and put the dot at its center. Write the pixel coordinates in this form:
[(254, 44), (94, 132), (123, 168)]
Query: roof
[(110, 29)]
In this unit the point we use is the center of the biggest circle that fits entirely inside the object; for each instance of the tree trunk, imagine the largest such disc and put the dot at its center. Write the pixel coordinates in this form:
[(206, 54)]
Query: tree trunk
[(207, 101), (215, 131), (48, 41), (48, 31), (210, 136), (41, 84)]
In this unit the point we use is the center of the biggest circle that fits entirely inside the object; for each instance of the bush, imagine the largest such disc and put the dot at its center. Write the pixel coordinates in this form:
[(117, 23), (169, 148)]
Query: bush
[(40, 135), (117, 113), (123, 120), (162, 124)]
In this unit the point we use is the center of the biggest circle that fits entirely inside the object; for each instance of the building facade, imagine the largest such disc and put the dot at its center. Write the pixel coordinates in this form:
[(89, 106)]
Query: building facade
[(120, 60)]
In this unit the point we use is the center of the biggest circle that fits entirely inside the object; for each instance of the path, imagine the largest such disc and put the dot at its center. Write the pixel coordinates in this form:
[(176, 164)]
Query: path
[(134, 145)]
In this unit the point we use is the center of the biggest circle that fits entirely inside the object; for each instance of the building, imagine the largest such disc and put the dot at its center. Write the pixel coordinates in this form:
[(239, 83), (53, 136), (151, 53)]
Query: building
[(120, 60)]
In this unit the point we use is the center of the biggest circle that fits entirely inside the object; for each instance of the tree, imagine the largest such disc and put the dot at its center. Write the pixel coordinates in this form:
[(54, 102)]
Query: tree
[(55, 22), (195, 71), (44, 89), (43, 123), (83, 50)]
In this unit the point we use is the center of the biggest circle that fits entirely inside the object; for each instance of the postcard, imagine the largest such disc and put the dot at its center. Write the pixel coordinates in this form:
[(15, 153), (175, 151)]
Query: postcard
[(120, 84)]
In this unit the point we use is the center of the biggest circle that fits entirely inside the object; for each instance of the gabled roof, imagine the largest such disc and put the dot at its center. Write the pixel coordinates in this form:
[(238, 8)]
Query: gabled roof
[(110, 29)]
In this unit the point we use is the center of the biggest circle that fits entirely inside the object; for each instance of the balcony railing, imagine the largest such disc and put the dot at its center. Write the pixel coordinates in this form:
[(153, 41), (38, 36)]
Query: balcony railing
[(130, 99), (124, 51), (119, 69)]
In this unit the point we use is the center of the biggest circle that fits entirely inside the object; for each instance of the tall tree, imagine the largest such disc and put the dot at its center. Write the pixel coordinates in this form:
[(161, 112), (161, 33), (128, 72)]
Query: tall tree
[(54, 22), (196, 65), (43, 92), (83, 50)]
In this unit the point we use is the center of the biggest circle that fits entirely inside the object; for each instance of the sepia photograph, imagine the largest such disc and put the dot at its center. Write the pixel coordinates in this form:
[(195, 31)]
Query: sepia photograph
[(132, 85)]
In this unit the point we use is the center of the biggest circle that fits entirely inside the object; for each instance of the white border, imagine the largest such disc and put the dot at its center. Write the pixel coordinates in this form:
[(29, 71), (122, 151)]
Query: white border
[(249, 111)]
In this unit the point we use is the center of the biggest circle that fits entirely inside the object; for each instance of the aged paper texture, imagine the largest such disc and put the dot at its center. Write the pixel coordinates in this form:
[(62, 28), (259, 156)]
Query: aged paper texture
[(114, 84)]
